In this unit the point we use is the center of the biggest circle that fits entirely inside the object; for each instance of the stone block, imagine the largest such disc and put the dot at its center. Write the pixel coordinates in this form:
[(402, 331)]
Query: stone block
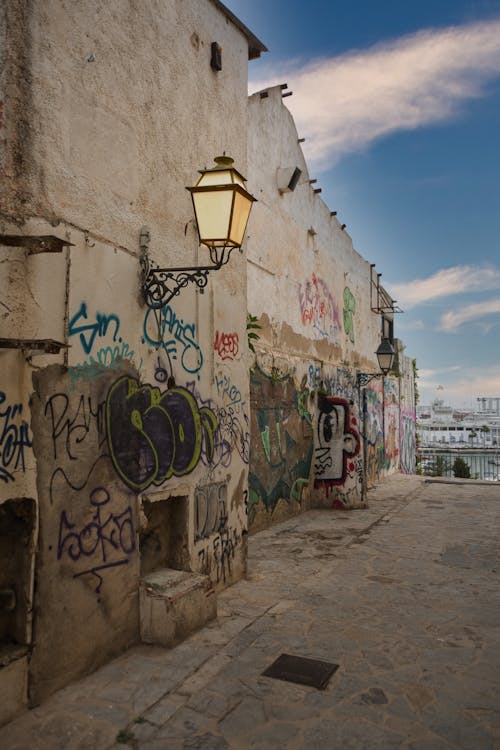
[(174, 604), (13, 686)]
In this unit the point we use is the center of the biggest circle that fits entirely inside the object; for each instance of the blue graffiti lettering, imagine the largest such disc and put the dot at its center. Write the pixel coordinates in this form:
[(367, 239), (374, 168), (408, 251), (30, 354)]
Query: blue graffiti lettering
[(89, 331), (176, 336)]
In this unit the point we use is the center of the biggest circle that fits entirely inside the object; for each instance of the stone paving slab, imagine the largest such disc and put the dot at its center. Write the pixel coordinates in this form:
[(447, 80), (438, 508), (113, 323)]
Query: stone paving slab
[(402, 595)]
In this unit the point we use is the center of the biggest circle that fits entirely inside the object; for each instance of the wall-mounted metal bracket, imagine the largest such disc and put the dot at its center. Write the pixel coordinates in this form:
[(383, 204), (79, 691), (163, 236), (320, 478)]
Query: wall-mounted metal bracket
[(160, 285), (363, 378), (34, 346), (45, 243)]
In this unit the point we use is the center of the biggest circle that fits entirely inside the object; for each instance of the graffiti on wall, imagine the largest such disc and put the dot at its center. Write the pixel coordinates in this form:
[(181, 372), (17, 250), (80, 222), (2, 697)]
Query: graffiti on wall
[(282, 441), (314, 376), (176, 336), (153, 435), (337, 442), (219, 554), (87, 557), (391, 423), (349, 310), (228, 392), (318, 308), (374, 437), (72, 422), (100, 355), (95, 531), (88, 331), (408, 443), (232, 435), (211, 518), (227, 345), (14, 439), (343, 384), (104, 541), (210, 509)]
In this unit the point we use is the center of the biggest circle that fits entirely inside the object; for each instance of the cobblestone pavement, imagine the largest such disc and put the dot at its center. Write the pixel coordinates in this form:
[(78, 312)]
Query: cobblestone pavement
[(401, 595)]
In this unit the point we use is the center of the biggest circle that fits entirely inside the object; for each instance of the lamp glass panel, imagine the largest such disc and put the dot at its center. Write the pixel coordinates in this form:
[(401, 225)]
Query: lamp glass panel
[(241, 212), (213, 213), (238, 180), (385, 361), (218, 177)]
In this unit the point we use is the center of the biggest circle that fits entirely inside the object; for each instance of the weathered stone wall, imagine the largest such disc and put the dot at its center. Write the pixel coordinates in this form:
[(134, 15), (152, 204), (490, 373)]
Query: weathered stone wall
[(408, 417), (133, 440), (88, 555), (310, 291)]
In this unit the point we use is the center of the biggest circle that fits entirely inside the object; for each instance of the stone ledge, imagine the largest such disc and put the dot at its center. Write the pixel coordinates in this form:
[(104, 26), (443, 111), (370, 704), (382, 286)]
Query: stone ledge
[(174, 604)]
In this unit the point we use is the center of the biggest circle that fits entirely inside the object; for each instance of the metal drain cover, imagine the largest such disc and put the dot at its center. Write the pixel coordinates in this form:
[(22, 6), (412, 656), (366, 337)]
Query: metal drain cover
[(304, 671)]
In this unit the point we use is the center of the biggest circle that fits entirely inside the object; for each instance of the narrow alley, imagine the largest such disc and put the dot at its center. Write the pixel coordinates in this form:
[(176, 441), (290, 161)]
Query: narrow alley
[(401, 595)]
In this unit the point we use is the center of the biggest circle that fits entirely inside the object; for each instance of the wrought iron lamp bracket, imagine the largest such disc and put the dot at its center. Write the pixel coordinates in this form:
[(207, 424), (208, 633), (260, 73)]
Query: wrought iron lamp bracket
[(363, 378), (160, 285)]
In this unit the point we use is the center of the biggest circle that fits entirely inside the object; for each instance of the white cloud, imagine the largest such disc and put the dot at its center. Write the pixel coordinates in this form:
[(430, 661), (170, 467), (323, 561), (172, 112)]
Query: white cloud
[(411, 325), (431, 373), (342, 104), (471, 384), (447, 281), (475, 313)]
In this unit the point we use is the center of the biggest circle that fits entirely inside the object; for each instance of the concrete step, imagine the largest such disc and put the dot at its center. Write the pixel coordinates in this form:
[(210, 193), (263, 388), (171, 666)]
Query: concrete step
[(174, 604), (13, 681)]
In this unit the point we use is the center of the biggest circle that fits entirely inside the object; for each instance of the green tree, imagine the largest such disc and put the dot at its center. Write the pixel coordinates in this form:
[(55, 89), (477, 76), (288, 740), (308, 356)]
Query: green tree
[(441, 467), (461, 469)]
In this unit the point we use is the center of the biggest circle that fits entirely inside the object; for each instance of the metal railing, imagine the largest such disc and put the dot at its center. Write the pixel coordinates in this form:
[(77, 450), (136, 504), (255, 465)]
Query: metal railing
[(483, 463)]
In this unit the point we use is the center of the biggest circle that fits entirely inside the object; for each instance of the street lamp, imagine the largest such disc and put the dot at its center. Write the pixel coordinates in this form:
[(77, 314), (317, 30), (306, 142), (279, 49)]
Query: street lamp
[(222, 207), (385, 356)]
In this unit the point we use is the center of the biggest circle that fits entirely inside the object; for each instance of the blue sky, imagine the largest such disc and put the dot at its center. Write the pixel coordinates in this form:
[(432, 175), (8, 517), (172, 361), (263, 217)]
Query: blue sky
[(400, 106)]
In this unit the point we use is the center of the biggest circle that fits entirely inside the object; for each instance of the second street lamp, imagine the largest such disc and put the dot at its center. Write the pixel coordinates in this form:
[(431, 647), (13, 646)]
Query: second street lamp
[(385, 356)]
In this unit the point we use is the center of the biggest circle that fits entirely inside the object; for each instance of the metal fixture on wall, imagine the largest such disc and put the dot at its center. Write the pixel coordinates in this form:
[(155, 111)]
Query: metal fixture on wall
[(385, 356), (222, 207), (215, 56), (45, 243)]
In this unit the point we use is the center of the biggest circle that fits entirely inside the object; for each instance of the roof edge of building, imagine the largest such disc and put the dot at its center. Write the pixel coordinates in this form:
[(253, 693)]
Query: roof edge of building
[(255, 46)]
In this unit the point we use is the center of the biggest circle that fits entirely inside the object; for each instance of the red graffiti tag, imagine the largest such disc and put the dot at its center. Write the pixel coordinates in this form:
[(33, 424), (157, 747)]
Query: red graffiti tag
[(226, 345)]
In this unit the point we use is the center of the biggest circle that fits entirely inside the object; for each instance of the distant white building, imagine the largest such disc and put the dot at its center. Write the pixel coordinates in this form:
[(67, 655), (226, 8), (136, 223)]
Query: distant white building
[(441, 424)]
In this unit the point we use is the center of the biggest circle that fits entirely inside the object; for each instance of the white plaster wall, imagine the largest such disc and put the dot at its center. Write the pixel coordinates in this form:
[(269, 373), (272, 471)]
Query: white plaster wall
[(110, 145), (283, 254), (131, 128), (113, 142), (311, 292)]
